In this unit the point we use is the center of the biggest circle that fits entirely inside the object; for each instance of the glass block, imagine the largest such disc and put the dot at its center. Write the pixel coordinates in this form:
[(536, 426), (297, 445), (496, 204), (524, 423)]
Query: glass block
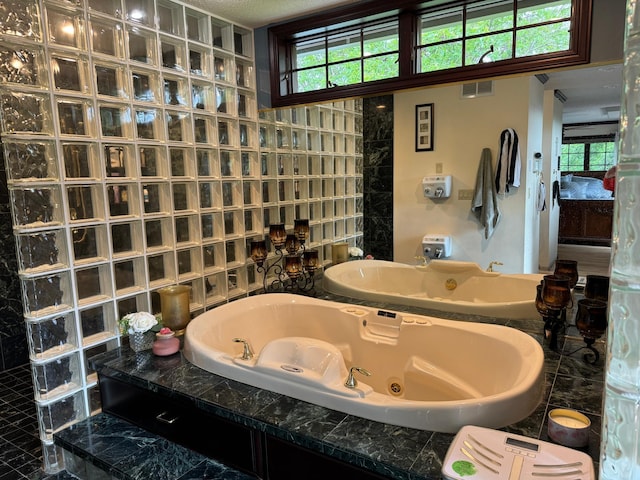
[(152, 161), (115, 120), (85, 202), (237, 282), (129, 275), (126, 239), (51, 337), (181, 162), (207, 162), (89, 244), (106, 38), (175, 91), (148, 124), (251, 193), (111, 80), (25, 113), (54, 378), (92, 351), (300, 189), (267, 136), (225, 100), (93, 284), (178, 126), (59, 414), (97, 324), (41, 251), (221, 34), (141, 11), (242, 41), (188, 263), (156, 198), (132, 304), (235, 252), (229, 166), (247, 134), (174, 55), (123, 200), (142, 46), (161, 269), (71, 73), (222, 68), (269, 191), (233, 223), (75, 117), (283, 137), (52, 457), (22, 65), (197, 26), (211, 225), (215, 287), (231, 194), (110, 7), (184, 196), (66, 27), (249, 164), (36, 207), (30, 160), (158, 234), (186, 228), (24, 20), (253, 221), (170, 17), (268, 164), (202, 96), (199, 59), (244, 74), (81, 160), (204, 128), (119, 160)]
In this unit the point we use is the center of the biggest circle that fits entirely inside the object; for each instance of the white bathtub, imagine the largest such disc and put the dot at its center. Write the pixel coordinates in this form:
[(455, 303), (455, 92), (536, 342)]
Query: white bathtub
[(444, 374), (473, 290)]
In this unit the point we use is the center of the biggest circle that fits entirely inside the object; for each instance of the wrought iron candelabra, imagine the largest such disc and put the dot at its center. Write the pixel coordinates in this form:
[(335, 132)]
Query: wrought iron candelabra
[(294, 266)]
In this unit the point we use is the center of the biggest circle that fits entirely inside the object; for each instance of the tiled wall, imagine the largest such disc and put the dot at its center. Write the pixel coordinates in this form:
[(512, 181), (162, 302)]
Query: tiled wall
[(136, 159), (378, 176)]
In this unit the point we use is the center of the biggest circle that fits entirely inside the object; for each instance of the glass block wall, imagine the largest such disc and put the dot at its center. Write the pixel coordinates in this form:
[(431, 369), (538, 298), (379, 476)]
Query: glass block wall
[(136, 159)]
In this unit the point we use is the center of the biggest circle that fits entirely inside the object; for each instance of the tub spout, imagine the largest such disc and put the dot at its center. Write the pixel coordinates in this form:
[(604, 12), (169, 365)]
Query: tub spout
[(490, 267), (438, 253), (351, 381), (247, 353)]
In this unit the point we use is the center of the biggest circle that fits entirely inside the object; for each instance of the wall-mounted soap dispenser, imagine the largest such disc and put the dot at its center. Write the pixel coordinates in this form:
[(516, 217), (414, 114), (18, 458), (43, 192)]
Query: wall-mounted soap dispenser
[(436, 246), (437, 186)]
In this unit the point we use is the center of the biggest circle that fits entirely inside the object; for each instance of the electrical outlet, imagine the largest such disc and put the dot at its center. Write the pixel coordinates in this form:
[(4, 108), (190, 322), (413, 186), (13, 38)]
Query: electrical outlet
[(439, 167), (465, 194)]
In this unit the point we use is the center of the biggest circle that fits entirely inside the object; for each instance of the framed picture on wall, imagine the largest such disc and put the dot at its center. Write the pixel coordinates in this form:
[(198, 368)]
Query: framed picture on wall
[(424, 127)]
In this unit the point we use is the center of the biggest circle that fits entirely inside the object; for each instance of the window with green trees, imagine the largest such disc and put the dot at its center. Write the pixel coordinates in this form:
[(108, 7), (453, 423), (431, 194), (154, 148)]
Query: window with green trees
[(583, 155), (372, 48)]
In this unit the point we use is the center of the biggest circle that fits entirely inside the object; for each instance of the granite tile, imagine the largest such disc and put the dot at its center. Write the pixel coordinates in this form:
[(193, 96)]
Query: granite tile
[(210, 470), (578, 393)]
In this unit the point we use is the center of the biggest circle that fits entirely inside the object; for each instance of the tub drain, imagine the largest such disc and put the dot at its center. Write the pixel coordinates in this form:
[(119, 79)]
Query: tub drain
[(395, 388)]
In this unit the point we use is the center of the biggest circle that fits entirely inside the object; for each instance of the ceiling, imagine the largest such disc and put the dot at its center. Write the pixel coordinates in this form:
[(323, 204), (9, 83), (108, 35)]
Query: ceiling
[(592, 94)]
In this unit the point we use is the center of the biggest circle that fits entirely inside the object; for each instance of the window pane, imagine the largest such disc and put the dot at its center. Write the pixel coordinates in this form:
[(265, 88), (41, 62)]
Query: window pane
[(477, 47), (553, 10), (441, 57), (344, 47), (312, 79), (345, 73), (309, 53), (543, 39), (440, 26), (380, 39), (487, 17), (377, 68)]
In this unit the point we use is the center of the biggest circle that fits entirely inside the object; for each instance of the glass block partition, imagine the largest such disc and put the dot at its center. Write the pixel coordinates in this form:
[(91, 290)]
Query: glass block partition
[(136, 159)]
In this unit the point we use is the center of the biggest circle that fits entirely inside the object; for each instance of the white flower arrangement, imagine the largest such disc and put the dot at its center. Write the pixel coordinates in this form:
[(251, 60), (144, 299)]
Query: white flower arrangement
[(355, 252), (138, 322)]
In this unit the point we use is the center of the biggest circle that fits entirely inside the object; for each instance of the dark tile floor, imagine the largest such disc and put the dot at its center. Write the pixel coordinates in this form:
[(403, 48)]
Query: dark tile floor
[(20, 445)]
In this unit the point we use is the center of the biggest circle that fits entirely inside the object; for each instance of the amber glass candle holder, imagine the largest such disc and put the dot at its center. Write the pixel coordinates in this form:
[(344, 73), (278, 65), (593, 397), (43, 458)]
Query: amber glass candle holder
[(310, 261), (597, 287), (291, 244), (567, 268), (293, 266), (301, 229), (277, 235), (174, 305), (591, 321), (259, 252)]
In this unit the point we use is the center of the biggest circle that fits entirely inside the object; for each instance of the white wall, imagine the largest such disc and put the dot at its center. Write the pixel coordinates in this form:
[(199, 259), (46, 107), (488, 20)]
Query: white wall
[(463, 127)]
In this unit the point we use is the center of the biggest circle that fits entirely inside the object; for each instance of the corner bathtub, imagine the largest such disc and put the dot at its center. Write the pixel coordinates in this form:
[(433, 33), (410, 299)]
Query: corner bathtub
[(426, 373), (445, 285)]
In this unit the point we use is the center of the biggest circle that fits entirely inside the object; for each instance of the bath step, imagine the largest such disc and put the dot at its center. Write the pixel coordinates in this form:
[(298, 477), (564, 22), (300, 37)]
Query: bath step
[(103, 447)]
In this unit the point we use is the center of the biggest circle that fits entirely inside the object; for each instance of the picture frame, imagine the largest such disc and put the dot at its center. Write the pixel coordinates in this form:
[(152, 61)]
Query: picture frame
[(424, 127)]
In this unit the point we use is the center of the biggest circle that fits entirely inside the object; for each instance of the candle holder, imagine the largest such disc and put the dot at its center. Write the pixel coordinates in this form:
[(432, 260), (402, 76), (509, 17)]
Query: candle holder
[(567, 268), (591, 321), (294, 266), (554, 298)]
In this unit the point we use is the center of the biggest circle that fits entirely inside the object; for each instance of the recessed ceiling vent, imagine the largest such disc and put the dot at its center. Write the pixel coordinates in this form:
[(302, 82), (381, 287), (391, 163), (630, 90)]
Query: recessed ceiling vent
[(477, 89)]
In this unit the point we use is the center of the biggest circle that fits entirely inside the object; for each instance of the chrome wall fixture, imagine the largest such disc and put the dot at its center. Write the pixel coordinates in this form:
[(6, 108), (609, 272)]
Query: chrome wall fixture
[(294, 266)]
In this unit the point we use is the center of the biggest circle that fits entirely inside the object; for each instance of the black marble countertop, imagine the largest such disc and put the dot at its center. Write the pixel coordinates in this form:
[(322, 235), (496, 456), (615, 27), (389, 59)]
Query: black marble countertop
[(396, 452)]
